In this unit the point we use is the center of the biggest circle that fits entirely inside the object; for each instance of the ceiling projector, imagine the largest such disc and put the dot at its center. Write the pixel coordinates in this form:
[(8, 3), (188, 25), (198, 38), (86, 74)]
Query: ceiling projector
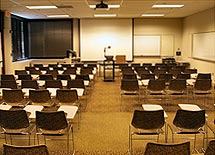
[(101, 5)]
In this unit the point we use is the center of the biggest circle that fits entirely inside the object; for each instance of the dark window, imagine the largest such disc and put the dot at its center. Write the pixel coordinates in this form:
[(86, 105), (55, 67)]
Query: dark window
[(19, 38), (49, 38)]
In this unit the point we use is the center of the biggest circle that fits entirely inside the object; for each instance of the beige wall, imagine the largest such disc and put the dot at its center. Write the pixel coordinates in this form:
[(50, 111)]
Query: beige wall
[(166, 28), (181, 29), (200, 22)]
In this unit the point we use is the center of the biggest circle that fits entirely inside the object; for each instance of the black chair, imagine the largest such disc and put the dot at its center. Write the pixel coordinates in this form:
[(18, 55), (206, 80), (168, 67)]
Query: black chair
[(67, 97), (184, 76), (25, 150), (202, 88), (53, 123), (210, 148), (20, 72), (41, 97), (15, 122), (53, 84), (188, 122), (167, 149), (129, 87), (146, 123), (204, 76), (63, 77), (7, 77), (29, 84), (24, 77), (14, 97), (155, 88), (9, 84), (46, 77), (177, 88)]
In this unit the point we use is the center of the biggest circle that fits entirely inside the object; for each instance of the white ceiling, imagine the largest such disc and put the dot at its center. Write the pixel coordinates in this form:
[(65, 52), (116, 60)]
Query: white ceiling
[(128, 9)]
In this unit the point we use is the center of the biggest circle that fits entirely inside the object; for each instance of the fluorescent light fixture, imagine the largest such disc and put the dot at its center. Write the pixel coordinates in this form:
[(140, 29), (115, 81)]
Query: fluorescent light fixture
[(167, 6), (109, 6), (58, 16), (104, 15), (152, 15), (42, 7)]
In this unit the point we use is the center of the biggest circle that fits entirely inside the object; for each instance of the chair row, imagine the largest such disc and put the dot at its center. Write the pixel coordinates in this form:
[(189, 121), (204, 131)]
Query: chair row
[(42, 97), (151, 148), (47, 123), (176, 87), (153, 122)]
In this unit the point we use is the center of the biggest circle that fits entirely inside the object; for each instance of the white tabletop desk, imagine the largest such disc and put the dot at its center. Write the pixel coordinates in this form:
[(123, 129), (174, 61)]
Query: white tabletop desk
[(145, 82), (69, 110), (190, 82), (189, 107), (32, 109), (5, 107), (153, 107)]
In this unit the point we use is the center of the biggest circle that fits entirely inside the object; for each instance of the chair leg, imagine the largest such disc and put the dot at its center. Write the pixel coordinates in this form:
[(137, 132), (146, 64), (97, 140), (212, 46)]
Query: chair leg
[(73, 145)]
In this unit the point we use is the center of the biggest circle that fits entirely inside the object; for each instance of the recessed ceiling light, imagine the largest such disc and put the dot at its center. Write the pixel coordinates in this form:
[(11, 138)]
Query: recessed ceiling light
[(42, 7), (58, 16), (104, 15), (167, 6), (152, 15), (109, 6)]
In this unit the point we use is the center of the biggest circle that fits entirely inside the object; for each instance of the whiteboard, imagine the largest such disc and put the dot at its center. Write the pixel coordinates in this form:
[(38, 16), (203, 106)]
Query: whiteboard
[(204, 46), (147, 45)]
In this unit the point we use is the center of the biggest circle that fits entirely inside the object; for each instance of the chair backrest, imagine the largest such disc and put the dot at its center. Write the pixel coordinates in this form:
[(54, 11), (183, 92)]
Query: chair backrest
[(29, 84), (211, 148), (24, 77), (14, 119), (67, 95), (7, 77), (190, 71), (147, 76), (204, 76), (183, 76), (167, 149), (189, 119), (148, 120), (83, 76), (70, 71), (9, 84), (53, 84), (177, 85), (167, 77), (46, 77), (25, 150), (203, 84), (77, 83), (39, 96), (19, 72), (12, 95), (34, 71), (63, 77), (129, 85), (51, 120), (156, 85), (53, 72), (129, 76)]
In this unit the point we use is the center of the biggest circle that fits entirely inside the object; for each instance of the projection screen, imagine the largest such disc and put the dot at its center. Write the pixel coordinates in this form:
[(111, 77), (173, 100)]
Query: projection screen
[(98, 34)]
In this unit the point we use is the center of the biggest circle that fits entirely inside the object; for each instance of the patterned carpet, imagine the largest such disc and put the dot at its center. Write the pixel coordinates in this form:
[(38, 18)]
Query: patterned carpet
[(105, 119)]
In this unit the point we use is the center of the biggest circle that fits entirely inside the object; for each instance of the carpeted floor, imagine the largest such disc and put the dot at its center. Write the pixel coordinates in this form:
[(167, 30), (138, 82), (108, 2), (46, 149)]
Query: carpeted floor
[(105, 119)]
